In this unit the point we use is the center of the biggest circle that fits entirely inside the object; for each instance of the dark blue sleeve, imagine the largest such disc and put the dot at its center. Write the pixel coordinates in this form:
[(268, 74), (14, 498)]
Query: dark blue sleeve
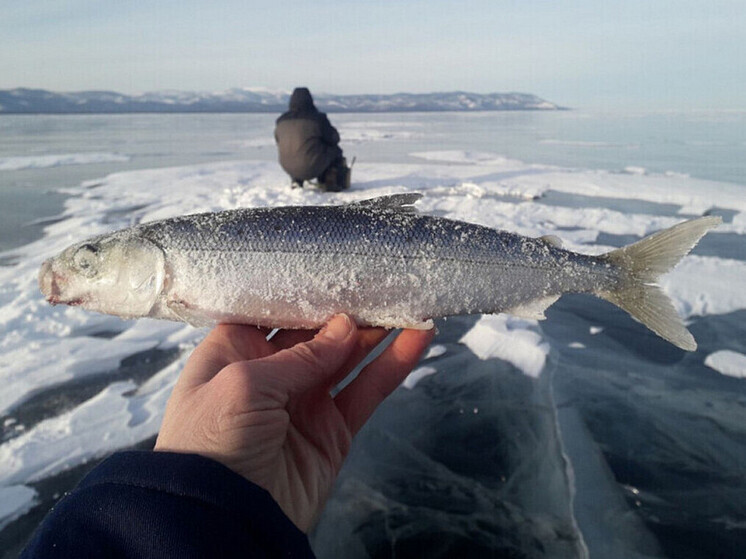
[(161, 504)]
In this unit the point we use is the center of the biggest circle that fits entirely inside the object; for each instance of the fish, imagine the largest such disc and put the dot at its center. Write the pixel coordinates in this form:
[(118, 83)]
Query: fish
[(378, 260)]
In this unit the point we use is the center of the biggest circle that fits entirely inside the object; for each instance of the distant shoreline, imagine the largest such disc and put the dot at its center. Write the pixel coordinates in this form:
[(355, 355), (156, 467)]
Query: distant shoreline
[(250, 101), (279, 110)]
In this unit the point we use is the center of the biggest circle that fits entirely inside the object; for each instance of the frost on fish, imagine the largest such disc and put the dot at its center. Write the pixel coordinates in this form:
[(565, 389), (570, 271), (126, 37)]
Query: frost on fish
[(377, 260)]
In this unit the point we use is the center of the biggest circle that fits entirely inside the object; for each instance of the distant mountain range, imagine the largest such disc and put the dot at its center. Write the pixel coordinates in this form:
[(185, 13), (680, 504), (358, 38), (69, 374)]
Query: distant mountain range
[(256, 100)]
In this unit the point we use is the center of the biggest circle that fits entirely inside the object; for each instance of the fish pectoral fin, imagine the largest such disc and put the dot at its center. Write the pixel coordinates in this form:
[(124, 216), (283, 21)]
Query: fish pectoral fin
[(423, 325), (534, 309), (184, 312)]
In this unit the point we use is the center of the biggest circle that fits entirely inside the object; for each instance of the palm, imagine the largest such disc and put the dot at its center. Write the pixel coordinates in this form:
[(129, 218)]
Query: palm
[(268, 406), (297, 448)]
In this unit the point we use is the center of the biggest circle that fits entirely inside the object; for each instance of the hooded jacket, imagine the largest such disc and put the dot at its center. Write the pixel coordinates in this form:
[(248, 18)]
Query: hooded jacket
[(306, 140)]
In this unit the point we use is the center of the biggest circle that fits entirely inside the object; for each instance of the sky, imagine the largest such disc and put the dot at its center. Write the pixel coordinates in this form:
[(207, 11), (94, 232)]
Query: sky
[(657, 54)]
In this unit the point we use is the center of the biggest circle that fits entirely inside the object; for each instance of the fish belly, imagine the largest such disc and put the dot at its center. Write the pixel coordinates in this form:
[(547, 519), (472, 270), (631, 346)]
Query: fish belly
[(294, 290)]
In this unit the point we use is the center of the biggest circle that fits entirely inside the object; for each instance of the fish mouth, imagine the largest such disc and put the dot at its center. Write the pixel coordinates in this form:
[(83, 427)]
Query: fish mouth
[(49, 284), (57, 300)]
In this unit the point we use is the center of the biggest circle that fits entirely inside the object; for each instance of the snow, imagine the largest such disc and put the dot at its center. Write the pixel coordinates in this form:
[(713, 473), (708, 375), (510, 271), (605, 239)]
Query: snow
[(44, 347), (703, 285), (466, 157), (22, 162), (693, 195), (510, 339), (729, 363), (353, 136), (433, 351), (367, 131), (88, 431), (417, 375)]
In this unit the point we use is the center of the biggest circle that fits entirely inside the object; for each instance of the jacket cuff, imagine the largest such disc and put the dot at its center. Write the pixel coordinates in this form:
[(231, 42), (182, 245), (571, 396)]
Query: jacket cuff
[(194, 476)]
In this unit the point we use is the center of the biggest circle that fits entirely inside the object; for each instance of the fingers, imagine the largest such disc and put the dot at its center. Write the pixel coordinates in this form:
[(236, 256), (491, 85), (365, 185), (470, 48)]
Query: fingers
[(367, 340), (361, 397), (288, 338), (314, 363), (225, 344)]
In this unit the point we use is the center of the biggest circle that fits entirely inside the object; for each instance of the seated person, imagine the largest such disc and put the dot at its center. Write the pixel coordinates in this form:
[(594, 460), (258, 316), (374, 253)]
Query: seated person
[(308, 145)]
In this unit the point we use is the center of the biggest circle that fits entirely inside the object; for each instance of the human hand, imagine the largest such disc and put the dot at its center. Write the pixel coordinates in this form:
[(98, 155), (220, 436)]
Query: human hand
[(264, 408)]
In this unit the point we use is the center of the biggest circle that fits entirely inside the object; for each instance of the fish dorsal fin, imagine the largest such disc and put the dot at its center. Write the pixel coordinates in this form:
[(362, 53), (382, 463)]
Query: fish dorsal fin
[(533, 309), (552, 240), (395, 202)]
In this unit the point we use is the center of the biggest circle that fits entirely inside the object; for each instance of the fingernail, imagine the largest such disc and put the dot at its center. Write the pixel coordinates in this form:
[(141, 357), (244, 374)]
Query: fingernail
[(338, 328)]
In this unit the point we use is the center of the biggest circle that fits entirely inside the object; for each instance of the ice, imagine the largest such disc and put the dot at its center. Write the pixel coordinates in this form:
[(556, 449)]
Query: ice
[(465, 157), (609, 530), (727, 362), (47, 361), (464, 465), (358, 132), (88, 431), (21, 162), (15, 501), (353, 133), (583, 143), (266, 141), (45, 348), (630, 170)]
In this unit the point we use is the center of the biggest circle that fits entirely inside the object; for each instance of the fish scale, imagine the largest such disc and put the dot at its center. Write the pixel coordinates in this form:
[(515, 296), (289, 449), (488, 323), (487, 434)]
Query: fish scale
[(325, 229)]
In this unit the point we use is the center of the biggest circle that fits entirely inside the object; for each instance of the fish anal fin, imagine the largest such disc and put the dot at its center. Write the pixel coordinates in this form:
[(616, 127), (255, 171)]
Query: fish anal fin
[(533, 309)]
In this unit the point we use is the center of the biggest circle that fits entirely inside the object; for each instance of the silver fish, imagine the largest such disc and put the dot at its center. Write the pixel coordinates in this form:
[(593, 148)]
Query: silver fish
[(377, 260)]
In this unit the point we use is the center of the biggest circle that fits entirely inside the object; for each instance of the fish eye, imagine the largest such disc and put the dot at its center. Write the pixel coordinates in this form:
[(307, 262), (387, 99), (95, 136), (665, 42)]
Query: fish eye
[(85, 259)]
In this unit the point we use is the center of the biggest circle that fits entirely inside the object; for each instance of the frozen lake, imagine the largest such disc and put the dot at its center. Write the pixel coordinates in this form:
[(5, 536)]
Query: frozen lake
[(580, 434)]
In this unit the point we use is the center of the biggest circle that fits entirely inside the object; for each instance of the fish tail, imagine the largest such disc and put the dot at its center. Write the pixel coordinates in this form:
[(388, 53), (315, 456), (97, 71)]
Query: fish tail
[(644, 262)]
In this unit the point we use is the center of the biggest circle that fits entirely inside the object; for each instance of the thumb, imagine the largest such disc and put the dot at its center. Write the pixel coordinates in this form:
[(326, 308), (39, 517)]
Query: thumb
[(316, 362)]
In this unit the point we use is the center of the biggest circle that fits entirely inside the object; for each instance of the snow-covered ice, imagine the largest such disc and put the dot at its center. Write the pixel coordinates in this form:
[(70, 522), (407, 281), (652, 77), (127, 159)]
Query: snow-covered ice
[(417, 375), (44, 347), (509, 339), (433, 351), (21, 162), (372, 131), (727, 362)]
